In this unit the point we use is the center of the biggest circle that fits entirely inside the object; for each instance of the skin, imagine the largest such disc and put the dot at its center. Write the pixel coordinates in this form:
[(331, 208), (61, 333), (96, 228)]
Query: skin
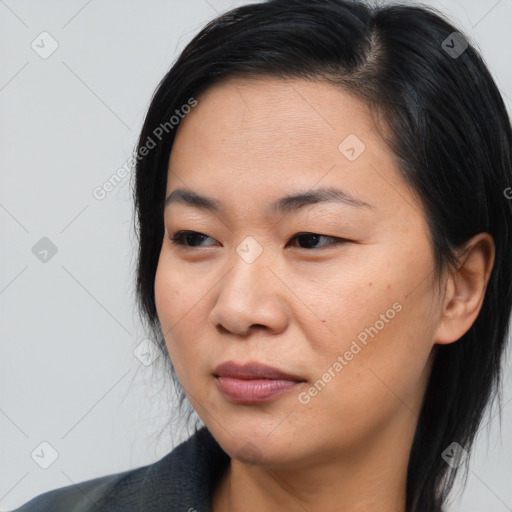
[(249, 142)]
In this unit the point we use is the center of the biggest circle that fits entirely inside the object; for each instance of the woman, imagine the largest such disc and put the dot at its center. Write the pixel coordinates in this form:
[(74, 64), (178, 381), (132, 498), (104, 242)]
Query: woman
[(323, 205)]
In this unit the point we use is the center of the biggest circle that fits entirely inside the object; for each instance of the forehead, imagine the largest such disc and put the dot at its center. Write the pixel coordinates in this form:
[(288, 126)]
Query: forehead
[(256, 137), (271, 111)]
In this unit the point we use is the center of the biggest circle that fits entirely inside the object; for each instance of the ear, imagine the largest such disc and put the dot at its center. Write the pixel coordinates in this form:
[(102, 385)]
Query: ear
[(465, 289)]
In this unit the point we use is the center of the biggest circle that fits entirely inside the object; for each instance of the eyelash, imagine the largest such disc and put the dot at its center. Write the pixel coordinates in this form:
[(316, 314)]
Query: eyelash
[(180, 236)]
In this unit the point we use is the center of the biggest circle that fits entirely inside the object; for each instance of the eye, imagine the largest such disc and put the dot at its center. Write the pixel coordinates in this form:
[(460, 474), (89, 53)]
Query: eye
[(187, 238), (311, 239), (306, 240)]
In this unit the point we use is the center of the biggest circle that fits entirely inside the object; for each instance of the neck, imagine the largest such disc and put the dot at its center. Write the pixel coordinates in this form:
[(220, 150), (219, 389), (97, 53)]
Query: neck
[(372, 479)]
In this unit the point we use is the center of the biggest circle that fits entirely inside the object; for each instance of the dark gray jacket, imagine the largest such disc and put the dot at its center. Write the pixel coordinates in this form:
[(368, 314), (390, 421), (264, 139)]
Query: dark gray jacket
[(182, 481)]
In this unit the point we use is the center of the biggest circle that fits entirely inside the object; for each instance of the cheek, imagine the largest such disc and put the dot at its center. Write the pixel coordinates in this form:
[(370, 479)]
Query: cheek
[(361, 385), (168, 296), (349, 301), (382, 323), (178, 304)]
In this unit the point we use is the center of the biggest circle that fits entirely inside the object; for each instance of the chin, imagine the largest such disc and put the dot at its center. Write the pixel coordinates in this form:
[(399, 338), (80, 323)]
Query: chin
[(251, 443)]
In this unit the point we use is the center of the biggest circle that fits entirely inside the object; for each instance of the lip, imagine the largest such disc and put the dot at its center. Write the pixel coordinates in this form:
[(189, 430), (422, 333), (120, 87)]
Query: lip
[(253, 382)]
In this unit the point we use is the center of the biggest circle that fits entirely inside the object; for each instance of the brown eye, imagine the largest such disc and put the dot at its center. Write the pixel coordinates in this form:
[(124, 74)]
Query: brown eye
[(311, 240), (188, 238), (305, 240)]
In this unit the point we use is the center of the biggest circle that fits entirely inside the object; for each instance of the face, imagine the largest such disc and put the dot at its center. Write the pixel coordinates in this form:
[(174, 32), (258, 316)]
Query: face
[(333, 289)]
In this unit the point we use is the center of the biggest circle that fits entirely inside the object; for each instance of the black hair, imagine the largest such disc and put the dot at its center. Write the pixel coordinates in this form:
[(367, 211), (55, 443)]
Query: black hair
[(445, 121)]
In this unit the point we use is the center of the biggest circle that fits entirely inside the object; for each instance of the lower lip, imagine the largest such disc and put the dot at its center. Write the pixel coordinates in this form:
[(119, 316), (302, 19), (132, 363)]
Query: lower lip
[(253, 390)]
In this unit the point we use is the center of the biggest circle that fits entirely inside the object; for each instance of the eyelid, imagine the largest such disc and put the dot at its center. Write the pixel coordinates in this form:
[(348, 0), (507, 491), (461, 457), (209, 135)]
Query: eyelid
[(179, 236), (337, 240)]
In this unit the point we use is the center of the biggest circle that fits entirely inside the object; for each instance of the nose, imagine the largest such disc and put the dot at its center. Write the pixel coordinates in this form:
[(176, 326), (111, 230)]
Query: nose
[(250, 296)]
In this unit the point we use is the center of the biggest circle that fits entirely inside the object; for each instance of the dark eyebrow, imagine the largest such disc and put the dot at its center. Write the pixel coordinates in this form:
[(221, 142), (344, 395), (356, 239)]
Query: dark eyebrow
[(286, 204)]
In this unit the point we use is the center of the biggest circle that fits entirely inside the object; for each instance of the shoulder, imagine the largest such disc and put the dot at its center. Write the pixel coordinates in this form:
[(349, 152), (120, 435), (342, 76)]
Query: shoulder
[(90, 495), (187, 474)]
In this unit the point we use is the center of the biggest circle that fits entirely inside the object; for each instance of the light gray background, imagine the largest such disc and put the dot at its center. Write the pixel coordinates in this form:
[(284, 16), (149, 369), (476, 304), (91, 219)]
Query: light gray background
[(69, 327)]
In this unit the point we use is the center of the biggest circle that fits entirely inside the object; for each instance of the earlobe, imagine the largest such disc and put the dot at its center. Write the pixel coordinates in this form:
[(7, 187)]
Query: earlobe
[(465, 289)]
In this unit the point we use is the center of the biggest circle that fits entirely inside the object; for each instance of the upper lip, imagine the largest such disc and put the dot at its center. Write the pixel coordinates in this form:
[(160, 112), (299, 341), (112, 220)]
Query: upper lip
[(252, 371)]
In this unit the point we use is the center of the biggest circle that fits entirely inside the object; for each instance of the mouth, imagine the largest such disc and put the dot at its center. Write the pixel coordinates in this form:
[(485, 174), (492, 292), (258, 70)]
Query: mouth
[(253, 382)]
